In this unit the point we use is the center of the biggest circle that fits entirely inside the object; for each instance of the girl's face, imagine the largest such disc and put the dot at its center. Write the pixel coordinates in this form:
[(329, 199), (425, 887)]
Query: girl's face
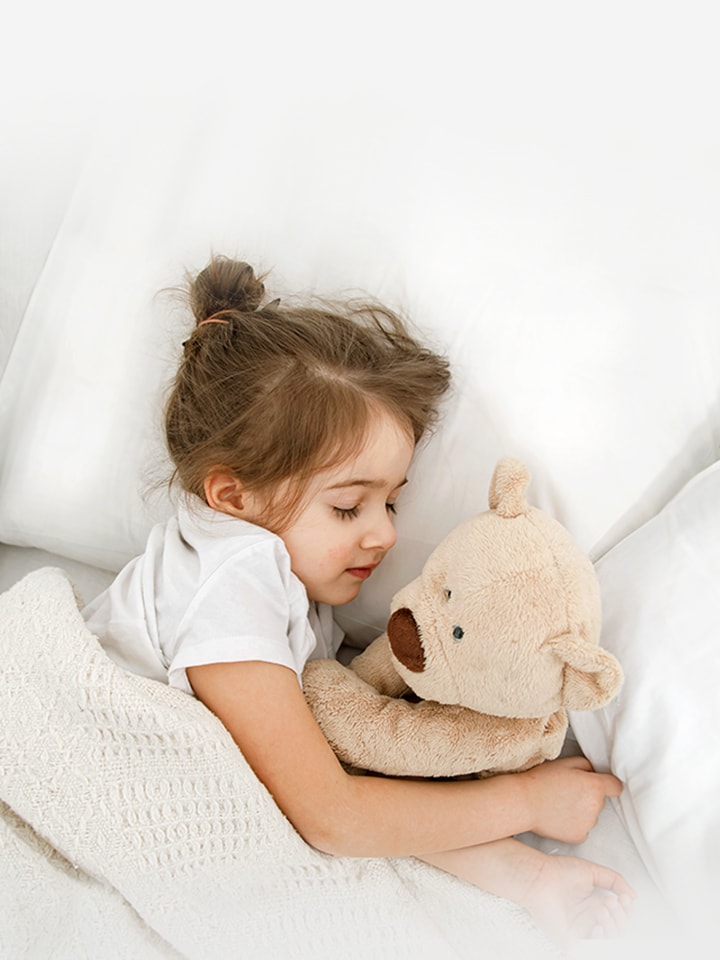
[(345, 526)]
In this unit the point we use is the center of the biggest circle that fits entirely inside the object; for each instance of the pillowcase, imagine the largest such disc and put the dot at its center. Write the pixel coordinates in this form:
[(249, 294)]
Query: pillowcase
[(661, 600)]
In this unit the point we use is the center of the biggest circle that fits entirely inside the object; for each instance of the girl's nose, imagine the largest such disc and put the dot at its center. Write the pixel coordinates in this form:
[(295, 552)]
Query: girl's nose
[(381, 535)]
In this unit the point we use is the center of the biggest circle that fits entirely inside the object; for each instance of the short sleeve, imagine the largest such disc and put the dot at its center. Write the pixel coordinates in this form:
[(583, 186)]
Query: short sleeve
[(252, 607)]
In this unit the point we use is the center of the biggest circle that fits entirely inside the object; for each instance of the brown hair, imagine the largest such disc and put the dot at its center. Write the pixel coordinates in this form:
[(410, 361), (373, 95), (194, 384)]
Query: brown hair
[(276, 392)]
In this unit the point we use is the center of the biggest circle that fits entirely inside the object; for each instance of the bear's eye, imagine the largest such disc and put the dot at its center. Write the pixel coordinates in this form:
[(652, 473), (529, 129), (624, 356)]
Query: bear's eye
[(447, 592)]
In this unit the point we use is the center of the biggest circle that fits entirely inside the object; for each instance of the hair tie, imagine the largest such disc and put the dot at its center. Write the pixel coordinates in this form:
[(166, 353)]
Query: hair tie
[(212, 319), (215, 318)]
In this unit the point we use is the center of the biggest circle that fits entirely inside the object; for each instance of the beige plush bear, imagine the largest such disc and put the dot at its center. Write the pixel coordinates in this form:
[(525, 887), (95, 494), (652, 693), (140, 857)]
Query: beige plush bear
[(498, 636)]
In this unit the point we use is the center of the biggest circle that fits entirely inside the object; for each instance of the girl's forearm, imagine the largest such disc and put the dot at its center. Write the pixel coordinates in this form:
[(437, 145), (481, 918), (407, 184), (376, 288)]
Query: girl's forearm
[(561, 799), (376, 816), (506, 868)]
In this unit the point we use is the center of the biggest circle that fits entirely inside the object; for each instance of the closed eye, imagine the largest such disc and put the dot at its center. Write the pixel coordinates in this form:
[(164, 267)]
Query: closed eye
[(346, 513), (447, 592), (349, 513)]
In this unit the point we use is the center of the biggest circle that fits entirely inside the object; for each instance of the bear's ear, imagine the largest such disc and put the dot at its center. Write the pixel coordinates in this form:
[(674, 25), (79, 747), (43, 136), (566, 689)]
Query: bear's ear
[(592, 676), (509, 482)]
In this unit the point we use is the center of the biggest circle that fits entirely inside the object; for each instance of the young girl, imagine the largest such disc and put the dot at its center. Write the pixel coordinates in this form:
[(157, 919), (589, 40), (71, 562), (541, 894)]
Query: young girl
[(292, 429)]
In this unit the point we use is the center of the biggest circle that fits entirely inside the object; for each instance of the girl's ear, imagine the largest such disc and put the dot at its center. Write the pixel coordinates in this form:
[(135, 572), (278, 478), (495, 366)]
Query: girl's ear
[(224, 492)]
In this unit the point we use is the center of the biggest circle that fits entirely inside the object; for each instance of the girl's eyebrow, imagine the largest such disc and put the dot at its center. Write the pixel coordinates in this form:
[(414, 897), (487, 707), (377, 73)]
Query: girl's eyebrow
[(372, 484)]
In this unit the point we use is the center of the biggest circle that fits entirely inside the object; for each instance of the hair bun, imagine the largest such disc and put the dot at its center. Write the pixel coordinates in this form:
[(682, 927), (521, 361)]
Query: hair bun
[(225, 284)]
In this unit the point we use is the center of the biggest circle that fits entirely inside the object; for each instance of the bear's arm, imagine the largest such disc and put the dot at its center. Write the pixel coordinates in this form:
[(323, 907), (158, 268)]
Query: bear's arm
[(389, 735), (375, 666)]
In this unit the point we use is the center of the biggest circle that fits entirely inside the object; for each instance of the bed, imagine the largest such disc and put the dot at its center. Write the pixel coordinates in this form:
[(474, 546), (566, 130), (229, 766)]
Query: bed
[(574, 289)]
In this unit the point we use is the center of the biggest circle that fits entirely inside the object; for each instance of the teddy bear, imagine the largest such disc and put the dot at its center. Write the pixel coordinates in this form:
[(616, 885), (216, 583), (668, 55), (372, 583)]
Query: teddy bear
[(484, 653)]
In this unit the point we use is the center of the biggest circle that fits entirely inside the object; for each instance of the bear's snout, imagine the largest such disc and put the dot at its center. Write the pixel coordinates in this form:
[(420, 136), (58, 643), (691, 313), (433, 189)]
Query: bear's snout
[(404, 638)]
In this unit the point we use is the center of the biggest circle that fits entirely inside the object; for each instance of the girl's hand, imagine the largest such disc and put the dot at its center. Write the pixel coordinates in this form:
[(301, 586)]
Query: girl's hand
[(566, 797)]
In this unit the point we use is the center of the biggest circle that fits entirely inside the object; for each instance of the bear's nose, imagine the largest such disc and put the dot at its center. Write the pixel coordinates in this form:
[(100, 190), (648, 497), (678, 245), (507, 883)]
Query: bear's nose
[(404, 638)]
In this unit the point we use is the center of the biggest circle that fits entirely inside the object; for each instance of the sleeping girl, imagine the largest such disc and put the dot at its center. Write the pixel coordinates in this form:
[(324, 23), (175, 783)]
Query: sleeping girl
[(291, 429)]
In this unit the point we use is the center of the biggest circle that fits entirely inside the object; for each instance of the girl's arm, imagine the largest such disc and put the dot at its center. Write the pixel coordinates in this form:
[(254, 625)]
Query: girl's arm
[(263, 707)]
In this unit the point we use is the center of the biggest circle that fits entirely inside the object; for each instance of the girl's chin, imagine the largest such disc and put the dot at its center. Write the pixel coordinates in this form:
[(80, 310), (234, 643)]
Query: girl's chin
[(339, 595)]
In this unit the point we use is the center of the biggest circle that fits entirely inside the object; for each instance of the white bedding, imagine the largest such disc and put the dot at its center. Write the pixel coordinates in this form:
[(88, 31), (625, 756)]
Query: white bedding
[(537, 186), (129, 812)]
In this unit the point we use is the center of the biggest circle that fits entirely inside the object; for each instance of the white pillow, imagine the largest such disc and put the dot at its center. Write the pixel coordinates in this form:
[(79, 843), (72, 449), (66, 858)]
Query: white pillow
[(544, 332), (661, 596)]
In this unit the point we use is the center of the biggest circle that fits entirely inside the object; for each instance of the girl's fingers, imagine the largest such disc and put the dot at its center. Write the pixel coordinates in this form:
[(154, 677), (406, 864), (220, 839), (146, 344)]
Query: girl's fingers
[(578, 761), (606, 879), (613, 786)]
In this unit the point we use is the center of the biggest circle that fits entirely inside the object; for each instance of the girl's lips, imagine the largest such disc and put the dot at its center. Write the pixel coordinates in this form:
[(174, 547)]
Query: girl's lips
[(362, 573)]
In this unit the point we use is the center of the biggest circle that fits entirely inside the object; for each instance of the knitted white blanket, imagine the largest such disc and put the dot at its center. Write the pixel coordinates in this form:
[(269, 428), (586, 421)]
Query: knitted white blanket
[(131, 826)]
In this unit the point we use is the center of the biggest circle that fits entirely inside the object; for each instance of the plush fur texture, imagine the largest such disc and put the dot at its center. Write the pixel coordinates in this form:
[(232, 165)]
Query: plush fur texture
[(497, 637)]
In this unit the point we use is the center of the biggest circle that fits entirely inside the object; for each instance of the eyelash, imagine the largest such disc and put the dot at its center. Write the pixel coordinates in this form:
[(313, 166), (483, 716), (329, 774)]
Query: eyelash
[(349, 513)]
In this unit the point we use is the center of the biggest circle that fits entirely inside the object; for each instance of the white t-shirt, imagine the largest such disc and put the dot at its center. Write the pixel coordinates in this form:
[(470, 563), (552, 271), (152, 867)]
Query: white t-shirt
[(209, 588)]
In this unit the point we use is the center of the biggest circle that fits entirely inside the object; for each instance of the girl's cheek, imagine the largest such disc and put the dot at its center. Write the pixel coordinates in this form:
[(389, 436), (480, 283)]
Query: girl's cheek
[(335, 554)]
